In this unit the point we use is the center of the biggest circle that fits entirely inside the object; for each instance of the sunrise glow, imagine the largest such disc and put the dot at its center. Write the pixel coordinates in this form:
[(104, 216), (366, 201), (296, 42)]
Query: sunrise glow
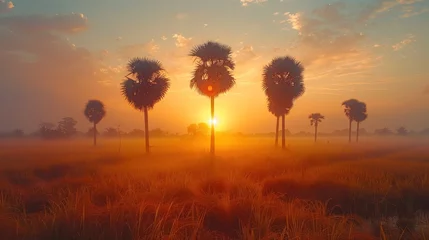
[(213, 121)]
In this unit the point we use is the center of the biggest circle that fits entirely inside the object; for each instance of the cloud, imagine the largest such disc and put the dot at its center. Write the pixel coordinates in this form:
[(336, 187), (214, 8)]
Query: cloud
[(381, 6), (66, 23), (206, 25), (276, 13), (6, 6), (164, 38), (408, 40), (330, 42), (247, 2), (182, 41), (119, 38), (137, 50), (45, 75), (409, 11)]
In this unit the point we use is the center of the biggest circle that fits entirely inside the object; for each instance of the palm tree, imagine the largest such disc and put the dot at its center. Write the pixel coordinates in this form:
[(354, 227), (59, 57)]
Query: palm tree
[(349, 110), (277, 111), (95, 112), (315, 119), (283, 84), (212, 75), (360, 115), (149, 87)]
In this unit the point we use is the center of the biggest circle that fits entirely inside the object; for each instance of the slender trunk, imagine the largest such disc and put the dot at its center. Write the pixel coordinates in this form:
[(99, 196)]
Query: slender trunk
[(350, 131), (212, 138), (357, 132), (283, 132), (315, 132), (95, 134), (277, 132), (146, 129)]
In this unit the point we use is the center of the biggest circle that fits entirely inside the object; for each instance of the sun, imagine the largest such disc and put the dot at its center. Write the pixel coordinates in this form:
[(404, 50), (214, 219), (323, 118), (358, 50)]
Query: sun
[(213, 121)]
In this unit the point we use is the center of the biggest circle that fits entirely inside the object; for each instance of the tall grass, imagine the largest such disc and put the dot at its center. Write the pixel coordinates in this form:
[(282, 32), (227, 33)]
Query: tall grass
[(327, 191)]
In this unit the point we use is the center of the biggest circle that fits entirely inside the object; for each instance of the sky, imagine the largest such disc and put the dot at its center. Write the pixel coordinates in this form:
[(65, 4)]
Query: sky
[(55, 55)]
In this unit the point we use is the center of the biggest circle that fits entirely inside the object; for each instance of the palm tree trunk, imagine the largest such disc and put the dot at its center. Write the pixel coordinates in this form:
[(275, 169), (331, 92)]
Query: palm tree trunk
[(315, 132), (146, 129), (212, 138), (357, 132), (350, 131), (277, 132), (283, 132), (95, 134)]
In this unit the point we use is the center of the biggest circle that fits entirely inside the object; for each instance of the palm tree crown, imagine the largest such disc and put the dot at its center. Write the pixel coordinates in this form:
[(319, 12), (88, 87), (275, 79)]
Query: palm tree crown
[(283, 81), (350, 108), (149, 86), (213, 72), (94, 111), (316, 118)]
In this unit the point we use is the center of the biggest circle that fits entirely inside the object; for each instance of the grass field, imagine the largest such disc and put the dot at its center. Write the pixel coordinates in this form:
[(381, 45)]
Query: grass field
[(378, 189)]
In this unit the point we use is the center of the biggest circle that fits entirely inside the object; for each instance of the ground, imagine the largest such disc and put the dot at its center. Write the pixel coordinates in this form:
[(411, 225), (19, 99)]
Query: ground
[(377, 189)]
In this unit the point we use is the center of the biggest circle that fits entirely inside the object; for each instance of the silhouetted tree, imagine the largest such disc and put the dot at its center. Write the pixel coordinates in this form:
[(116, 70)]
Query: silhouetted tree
[(158, 132), (111, 132), (402, 131), (203, 128), (349, 109), (18, 133), (91, 131), (359, 116), (67, 127), (149, 87), (212, 75), (283, 84), (192, 129), (136, 133), (94, 112), (277, 111), (315, 119), (383, 132)]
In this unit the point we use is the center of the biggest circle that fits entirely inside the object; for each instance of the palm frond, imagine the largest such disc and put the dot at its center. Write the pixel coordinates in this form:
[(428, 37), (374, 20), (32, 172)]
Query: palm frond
[(94, 111), (144, 69), (212, 80), (213, 53)]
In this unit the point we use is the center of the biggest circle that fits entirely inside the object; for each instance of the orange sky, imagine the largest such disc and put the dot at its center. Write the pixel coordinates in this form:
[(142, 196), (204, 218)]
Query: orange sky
[(374, 51)]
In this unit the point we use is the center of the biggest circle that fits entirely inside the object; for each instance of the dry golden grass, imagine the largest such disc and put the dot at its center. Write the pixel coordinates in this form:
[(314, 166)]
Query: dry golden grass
[(70, 190)]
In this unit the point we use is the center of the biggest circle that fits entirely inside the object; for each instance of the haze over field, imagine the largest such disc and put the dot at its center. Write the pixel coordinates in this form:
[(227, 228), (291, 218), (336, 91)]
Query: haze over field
[(55, 55)]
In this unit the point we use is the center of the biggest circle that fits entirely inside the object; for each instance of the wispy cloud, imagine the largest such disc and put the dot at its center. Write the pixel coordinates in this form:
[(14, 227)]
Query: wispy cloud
[(164, 38), (382, 6), (247, 2), (410, 11), (408, 40), (182, 41), (6, 6), (69, 23), (330, 42)]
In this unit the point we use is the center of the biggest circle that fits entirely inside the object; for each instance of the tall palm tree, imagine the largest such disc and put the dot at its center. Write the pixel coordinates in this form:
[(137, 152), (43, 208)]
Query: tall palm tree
[(283, 83), (149, 86), (94, 112), (349, 110), (212, 75), (277, 111), (315, 119), (360, 115)]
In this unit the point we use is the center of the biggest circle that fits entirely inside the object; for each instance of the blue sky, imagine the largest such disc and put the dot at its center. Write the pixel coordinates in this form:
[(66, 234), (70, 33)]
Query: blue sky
[(375, 51)]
